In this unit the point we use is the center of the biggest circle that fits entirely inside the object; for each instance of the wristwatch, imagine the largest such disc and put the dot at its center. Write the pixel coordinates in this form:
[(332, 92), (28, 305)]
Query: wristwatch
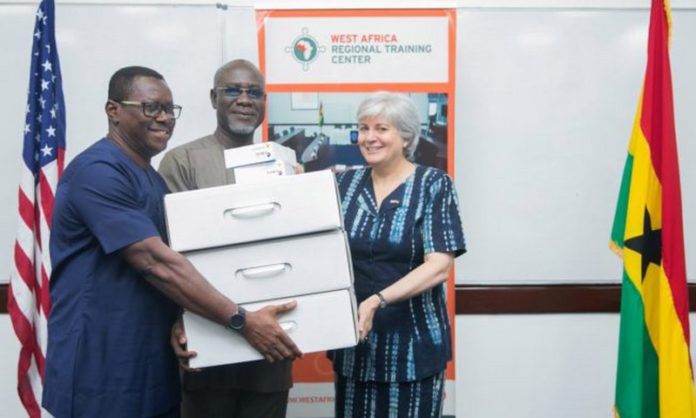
[(382, 302), (238, 320)]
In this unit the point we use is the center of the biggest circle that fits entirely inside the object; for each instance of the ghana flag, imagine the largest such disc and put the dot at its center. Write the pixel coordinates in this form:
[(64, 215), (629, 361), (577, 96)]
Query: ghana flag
[(654, 374)]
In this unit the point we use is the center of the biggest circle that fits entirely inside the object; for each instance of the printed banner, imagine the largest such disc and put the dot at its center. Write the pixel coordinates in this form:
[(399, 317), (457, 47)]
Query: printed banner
[(319, 65), (324, 50)]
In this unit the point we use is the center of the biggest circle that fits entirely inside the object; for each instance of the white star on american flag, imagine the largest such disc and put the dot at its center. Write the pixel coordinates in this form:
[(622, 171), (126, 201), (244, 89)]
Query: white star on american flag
[(47, 65), (47, 151), (51, 131)]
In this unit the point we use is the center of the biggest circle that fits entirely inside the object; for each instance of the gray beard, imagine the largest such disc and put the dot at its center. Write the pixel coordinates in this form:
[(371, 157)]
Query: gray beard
[(239, 129)]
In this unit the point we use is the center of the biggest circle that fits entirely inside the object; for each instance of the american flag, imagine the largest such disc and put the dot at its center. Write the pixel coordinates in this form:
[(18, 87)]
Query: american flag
[(42, 164)]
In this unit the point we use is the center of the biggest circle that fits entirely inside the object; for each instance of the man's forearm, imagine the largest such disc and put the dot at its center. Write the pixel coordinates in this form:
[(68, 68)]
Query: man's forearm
[(172, 274)]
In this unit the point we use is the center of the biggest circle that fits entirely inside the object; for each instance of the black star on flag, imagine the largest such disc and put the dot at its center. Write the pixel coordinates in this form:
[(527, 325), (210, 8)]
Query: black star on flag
[(648, 245)]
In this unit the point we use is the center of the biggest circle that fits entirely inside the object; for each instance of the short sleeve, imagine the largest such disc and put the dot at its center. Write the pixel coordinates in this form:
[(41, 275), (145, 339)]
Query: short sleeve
[(442, 225), (113, 207)]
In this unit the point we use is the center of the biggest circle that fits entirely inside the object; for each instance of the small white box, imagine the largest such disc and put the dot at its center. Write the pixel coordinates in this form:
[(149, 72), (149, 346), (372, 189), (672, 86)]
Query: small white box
[(279, 268), (263, 171), (239, 213), (258, 153), (322, 321)]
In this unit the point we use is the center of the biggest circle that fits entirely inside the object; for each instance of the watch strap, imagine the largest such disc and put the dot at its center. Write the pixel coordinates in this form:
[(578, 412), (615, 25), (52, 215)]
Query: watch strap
[(382, 302)]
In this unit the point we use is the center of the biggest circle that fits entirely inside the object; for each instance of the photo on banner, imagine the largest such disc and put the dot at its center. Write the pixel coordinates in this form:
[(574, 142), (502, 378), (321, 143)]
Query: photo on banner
[(319, 65), (326, 137)]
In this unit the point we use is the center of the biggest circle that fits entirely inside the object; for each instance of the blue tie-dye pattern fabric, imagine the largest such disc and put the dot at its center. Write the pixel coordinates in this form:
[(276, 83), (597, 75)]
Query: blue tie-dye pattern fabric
[(419, 399), (410, 340)]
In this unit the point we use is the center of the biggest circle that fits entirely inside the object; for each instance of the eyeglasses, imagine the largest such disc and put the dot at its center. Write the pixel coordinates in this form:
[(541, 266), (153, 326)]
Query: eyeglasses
[(234, 92), (153, 110)]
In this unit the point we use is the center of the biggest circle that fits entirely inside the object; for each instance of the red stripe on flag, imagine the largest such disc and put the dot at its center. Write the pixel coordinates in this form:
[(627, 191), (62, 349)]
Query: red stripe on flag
[(25, 266), (673, 258), (60, 160), (26, 210), (37, 227), (46, 200)]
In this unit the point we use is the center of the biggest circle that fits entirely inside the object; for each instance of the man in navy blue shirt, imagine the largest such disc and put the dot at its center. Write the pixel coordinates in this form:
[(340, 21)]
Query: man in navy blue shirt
[(116, 287)]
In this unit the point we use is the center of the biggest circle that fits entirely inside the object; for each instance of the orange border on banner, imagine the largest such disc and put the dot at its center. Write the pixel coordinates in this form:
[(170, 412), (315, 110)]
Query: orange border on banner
[(360, 87), (359, 13), (315, 367)]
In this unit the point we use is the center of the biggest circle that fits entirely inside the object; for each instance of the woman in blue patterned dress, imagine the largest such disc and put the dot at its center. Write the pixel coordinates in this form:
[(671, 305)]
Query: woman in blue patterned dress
[(404, 230)]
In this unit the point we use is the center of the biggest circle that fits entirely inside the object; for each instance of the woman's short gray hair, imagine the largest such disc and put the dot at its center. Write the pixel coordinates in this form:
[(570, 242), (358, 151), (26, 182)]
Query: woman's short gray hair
[(397, 109)]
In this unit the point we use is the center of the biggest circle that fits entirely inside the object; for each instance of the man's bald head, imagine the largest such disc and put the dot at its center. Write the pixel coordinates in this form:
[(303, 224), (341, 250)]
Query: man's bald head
[(234, 65)]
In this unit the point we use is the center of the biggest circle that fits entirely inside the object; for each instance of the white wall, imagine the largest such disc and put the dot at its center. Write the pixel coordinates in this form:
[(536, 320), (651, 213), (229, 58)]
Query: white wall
[(545, 103), (534, 366)]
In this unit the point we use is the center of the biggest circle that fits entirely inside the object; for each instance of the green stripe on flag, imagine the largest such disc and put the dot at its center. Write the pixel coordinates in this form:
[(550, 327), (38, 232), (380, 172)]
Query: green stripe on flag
[(617, 231), (637, 372)]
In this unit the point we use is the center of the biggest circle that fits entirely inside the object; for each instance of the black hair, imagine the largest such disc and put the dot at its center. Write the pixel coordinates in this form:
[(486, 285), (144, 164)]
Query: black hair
[(120, 83)]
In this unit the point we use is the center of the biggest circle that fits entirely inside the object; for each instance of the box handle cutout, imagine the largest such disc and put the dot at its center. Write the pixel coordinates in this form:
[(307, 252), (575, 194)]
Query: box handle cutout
[(264, 271), (253, 211)]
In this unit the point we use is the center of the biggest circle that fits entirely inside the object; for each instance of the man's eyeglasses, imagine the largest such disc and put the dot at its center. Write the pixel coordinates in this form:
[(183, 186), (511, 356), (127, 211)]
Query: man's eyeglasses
[(153, 110), (234, 92)]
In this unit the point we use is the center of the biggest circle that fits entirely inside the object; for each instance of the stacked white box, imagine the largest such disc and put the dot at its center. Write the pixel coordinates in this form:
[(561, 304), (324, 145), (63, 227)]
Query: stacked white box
[(266, 270), (259, 162), (262, 244), (258, 153), (239, 213), (263, 171), (318, 323)]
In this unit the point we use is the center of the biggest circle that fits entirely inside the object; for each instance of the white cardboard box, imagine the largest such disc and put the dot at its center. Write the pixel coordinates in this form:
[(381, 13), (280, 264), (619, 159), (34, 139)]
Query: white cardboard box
[(279, 268), (258, 153), (321, 321), (239, 213), (264, 171)]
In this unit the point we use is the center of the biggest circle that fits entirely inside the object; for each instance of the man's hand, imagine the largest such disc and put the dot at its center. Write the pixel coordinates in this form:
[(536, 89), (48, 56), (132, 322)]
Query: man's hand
[(178, 341), (264, 333)]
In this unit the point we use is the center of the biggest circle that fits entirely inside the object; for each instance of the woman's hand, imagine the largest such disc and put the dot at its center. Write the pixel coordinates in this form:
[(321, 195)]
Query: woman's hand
[(366, 312)]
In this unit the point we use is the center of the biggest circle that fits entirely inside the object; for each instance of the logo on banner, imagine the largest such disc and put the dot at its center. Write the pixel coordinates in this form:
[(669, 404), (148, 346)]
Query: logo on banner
[(305, 49)]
